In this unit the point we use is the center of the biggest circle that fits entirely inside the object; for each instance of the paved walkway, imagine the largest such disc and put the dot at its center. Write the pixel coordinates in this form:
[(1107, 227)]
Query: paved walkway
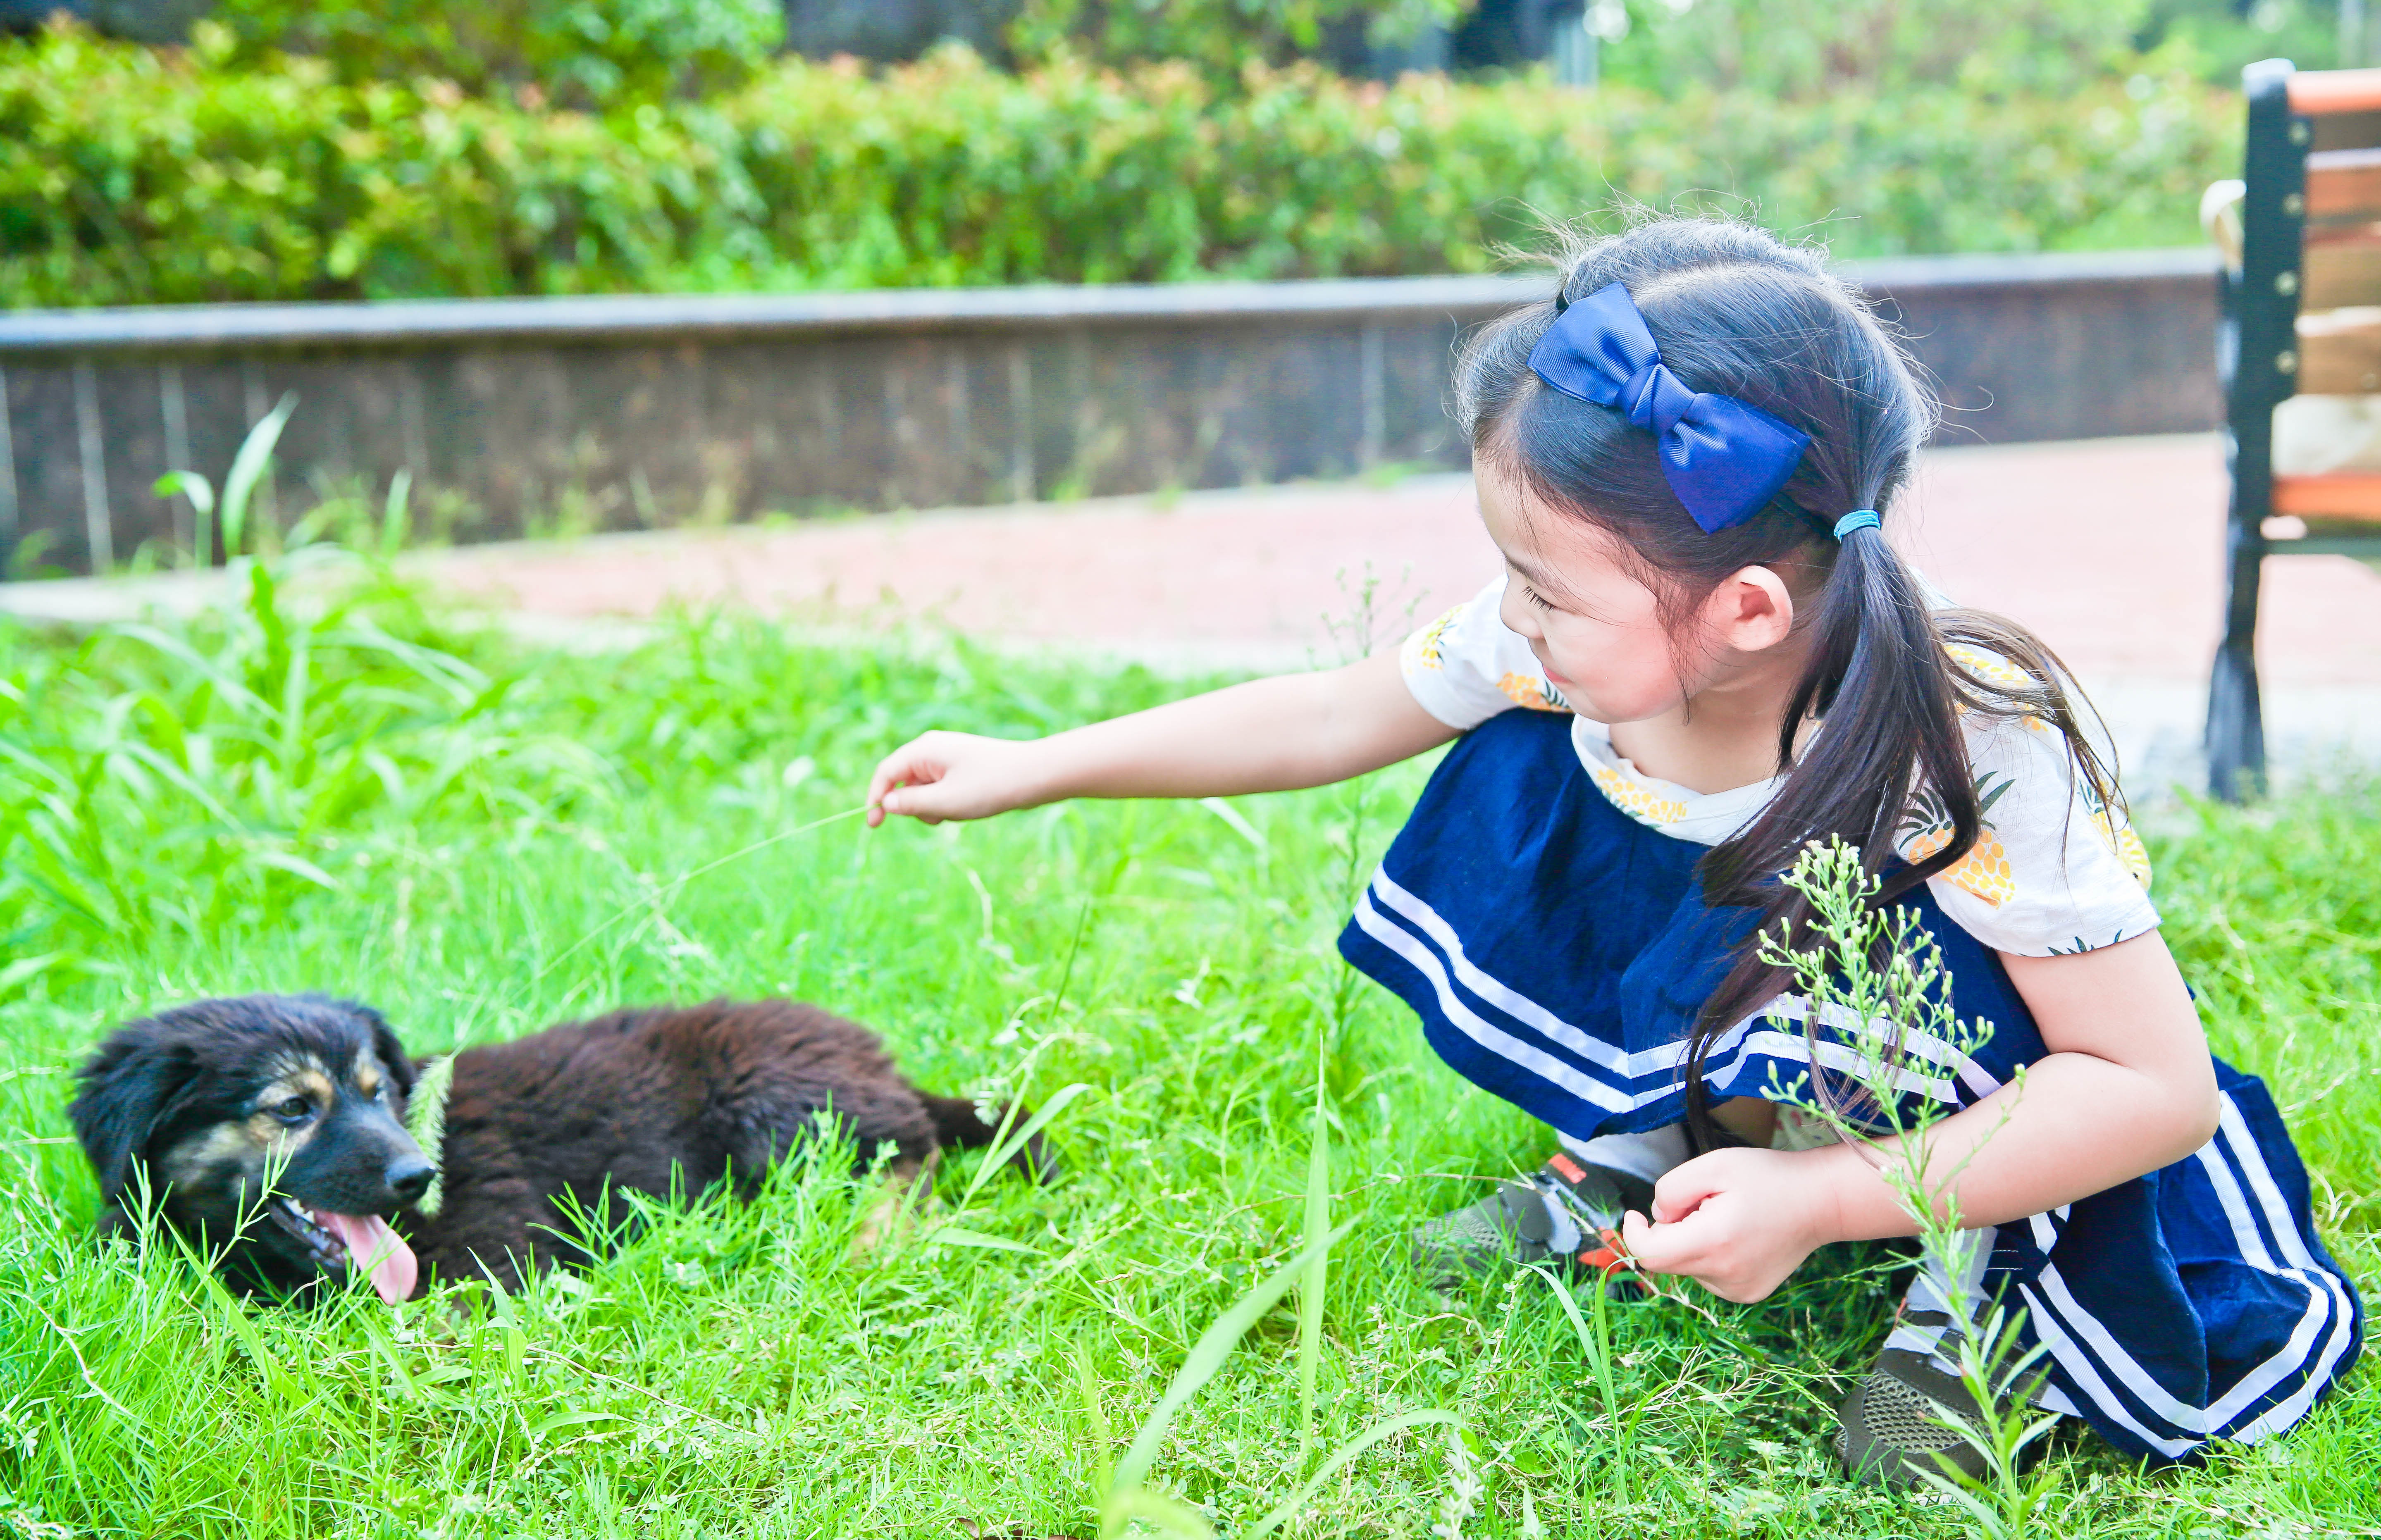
[(2110, 549)]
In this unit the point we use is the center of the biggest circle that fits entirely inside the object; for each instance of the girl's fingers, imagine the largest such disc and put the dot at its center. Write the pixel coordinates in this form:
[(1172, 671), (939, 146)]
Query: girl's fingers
[(1656, 1247), (891, 771), (1683, 1190), (905, 767), (928, 798)]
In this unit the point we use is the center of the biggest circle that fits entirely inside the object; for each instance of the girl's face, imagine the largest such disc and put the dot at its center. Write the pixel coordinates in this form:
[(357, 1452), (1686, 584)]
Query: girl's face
[(1599, 631)]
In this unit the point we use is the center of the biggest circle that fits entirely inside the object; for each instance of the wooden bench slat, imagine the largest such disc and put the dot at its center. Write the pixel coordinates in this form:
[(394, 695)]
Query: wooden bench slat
[(2339, 351), (2320, 91), (2341, 495), (2339, 270), (2344, 186)]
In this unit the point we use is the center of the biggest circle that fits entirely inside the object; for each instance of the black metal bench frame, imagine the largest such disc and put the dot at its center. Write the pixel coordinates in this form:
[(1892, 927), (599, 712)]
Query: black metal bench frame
[(2257, 360)]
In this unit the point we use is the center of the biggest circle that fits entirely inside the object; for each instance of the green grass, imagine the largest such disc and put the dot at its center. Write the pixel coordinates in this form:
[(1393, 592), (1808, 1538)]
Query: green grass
[(369, 800)]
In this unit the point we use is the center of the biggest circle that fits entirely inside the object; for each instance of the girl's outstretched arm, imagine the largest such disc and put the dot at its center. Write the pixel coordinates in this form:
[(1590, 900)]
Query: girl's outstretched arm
[(1268, 735)]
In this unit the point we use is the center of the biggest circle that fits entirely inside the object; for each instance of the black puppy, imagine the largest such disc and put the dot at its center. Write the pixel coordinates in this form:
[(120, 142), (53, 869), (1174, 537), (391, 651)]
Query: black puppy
[(288, 1111)]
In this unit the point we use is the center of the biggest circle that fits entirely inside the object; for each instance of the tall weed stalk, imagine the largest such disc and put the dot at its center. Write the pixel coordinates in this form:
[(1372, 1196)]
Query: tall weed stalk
[(1874, 981)]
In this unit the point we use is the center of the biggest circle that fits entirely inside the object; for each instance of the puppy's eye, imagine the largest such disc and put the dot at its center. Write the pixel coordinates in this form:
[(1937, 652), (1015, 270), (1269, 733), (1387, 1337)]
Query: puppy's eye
[(292, 1110)]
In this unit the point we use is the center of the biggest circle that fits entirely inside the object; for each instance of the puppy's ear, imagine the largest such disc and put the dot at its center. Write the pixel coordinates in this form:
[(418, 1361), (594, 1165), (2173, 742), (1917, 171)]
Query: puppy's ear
[(384, 1043), (128, 1087)]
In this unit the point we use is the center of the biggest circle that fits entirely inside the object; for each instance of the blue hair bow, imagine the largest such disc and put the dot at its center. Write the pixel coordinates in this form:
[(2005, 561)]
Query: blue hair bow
[(1724, 460)]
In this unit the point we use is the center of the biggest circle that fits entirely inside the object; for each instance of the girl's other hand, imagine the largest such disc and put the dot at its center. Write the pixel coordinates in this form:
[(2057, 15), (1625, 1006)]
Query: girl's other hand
[(946, 775), (1739, 1222)]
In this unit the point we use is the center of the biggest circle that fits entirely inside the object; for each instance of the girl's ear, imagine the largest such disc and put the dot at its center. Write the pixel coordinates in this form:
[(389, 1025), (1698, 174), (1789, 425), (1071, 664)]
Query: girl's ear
[(1750, 611)]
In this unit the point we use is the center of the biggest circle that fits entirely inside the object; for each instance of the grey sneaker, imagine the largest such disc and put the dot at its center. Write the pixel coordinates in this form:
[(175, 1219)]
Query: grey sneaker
[(1910, 1415), (1558, 1216)]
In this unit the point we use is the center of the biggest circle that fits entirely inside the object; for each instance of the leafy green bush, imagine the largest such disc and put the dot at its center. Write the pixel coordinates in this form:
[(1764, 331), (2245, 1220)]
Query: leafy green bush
[(129, 176), (1800, 49), (1220, 36), (581, 52)]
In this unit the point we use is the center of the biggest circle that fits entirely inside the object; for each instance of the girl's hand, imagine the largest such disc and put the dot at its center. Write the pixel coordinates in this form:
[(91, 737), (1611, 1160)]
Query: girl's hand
[(1737, 1221), (945, 775), (1266, 734)]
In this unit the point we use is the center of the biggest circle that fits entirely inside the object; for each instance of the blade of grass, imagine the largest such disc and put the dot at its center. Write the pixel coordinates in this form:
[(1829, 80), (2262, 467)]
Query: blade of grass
[(82, 1367), (1338, 1459), (201, 496), (394, 519), (1207, 1356), (1095, 1413), (1597, 1342), (248, 467), (277, 1377), (1166, 1516), (515, 1341), (1006, 1150), (953, 1235), (1312, 1290), (407, 1387), (679, 882)]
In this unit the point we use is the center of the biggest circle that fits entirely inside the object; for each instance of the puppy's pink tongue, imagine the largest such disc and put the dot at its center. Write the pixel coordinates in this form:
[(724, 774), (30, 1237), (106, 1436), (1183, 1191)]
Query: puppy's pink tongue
[(371, 1243)]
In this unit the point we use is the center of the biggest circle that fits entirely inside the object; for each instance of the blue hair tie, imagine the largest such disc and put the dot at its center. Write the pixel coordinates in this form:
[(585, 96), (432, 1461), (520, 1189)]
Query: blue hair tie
[(1723, 459), (1864, 519)]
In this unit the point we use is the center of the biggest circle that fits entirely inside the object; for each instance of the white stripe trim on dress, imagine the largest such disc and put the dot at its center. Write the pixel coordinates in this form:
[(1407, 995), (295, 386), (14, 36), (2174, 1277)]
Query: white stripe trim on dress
[(2054, 1321), (1979, 1081), (1512, 1002), (2235, 1132), (2323, 1301), (2211, 1159), (1494, 1039), (1637, 1066), (2079, 1368), (1736, 1044)]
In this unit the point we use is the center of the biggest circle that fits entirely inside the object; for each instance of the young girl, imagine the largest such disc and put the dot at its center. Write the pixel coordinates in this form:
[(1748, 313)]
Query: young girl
[(1703, 653)]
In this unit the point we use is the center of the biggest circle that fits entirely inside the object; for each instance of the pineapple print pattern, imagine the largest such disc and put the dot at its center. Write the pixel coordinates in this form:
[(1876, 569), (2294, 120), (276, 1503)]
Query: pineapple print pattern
[(1637, 801), (2119, 837), (1993, 668), (1429, 643), (1536, 694), (1984, 870)]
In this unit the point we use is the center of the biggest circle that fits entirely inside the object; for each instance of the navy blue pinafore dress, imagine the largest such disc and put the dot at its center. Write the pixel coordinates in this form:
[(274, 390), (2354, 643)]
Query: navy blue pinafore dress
[(1558, 952)]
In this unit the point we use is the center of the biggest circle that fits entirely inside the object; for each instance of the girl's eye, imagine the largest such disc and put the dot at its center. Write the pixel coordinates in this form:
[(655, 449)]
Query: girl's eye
[(1536, 598), (293, 1109)]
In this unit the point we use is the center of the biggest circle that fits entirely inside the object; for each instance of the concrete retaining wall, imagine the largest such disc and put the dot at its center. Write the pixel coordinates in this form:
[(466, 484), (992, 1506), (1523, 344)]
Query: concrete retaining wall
[(520, 415)]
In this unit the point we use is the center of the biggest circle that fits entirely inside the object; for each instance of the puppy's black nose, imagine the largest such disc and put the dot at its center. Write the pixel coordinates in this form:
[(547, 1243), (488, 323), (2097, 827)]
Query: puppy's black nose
[(409, 1177)]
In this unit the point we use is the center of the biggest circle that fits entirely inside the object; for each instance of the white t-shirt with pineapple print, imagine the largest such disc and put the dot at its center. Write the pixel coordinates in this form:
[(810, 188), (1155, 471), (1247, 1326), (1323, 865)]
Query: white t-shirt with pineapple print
[(2055, 872)]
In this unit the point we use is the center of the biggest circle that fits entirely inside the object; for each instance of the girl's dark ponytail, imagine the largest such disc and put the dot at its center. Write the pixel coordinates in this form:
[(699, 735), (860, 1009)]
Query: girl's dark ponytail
[(1879, 685), (1872, 729)]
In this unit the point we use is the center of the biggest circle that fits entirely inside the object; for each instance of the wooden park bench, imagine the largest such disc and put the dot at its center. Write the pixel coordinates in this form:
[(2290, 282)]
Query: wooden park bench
[(2301, 358)]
